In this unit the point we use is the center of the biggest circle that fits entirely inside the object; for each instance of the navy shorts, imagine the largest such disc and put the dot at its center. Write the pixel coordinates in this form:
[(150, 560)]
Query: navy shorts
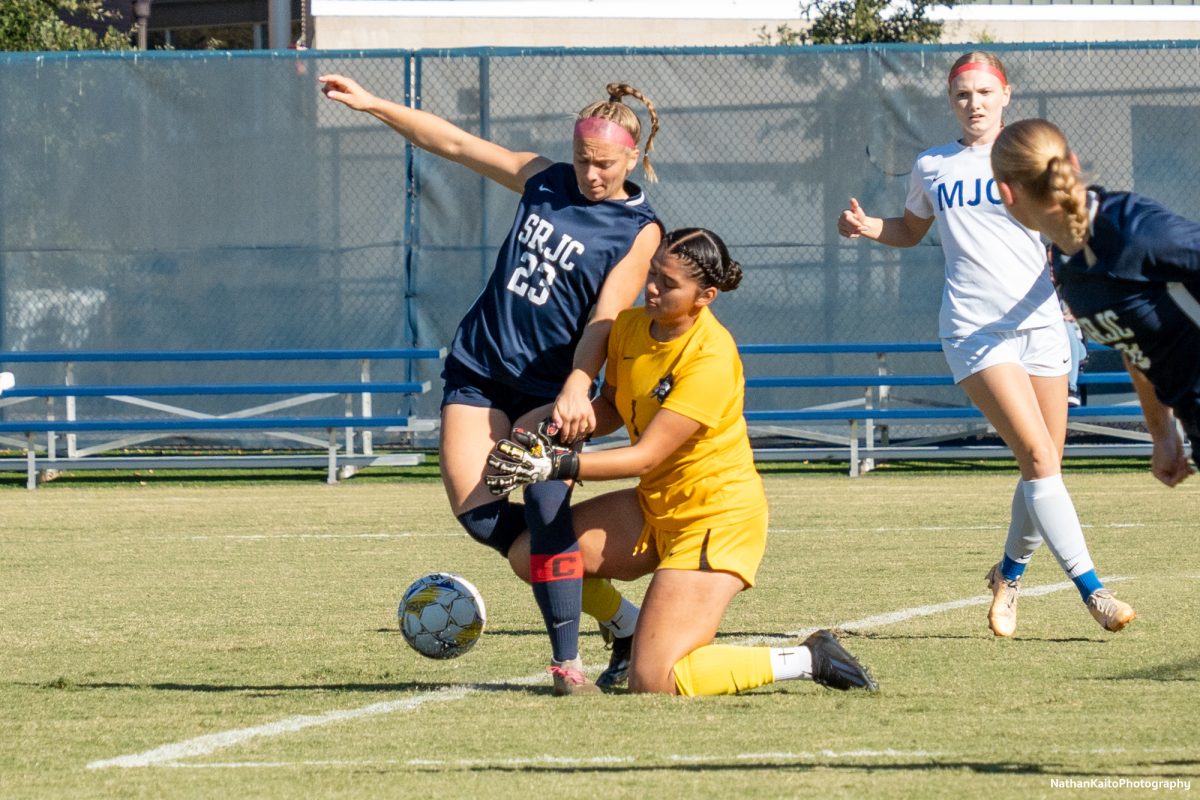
[(464, 386)]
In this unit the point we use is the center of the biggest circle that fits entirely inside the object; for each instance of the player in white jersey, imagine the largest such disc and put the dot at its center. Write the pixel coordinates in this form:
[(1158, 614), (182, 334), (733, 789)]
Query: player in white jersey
[(1002, 332)]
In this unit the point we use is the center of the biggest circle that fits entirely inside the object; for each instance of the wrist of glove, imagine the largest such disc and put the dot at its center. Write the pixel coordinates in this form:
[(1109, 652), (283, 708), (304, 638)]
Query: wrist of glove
[(529, 457)]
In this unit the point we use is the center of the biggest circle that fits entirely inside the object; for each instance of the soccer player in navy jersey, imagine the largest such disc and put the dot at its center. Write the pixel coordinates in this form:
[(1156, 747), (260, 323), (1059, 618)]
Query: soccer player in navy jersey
[(577, 254), (1002, 333), (1130, 271)]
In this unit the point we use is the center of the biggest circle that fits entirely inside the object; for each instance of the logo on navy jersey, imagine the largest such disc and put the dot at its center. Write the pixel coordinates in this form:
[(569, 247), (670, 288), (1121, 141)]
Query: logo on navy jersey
[(960, 193), (544, 254), (1105, 327)]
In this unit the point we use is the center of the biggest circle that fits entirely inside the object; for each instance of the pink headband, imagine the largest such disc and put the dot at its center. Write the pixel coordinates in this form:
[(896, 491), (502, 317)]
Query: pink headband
[(970, 65), (605, 130)]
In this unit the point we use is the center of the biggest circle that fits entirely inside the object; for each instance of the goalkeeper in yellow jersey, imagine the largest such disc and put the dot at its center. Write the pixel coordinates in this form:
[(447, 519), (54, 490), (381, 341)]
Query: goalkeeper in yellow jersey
[(698, 517)]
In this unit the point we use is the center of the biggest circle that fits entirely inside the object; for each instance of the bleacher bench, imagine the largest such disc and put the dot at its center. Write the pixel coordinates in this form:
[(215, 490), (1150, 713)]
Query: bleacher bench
[(39, 436), (867, 416)]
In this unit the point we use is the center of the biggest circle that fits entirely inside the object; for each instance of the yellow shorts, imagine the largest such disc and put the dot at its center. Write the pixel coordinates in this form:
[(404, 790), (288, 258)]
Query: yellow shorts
[(736, 548)]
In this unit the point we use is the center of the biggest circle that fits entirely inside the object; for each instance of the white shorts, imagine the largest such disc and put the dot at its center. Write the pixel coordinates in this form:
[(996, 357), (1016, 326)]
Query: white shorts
[(1044, 352)]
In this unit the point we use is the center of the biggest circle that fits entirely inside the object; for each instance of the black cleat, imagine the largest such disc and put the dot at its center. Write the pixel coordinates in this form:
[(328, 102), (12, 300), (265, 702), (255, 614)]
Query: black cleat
[(618, 664), (836, 668)]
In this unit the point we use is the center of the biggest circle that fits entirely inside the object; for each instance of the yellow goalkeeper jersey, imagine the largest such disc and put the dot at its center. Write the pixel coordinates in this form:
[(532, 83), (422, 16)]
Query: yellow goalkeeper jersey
[(711, 478)]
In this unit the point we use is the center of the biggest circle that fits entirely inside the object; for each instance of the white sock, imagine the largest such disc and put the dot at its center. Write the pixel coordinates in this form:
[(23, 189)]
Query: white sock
[(1054, 515), (623, 622), (791, 663), (1023, 536)]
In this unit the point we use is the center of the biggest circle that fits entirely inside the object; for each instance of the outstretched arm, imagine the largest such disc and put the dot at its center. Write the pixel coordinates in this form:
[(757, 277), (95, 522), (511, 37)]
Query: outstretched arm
[(438, 136), (1168, 462), (665, 434), (905, 231), (531, 456)]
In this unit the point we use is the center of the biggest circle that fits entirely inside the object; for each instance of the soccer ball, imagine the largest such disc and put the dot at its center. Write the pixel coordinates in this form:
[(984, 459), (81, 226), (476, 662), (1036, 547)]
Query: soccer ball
[(442, 615)]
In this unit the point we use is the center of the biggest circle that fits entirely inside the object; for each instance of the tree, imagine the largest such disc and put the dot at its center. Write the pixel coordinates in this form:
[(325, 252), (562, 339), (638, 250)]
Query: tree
[(37, 25), (860, 22)]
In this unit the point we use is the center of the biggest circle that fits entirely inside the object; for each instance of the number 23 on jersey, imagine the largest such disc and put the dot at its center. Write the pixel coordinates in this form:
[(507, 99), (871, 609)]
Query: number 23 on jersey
[(543, 256)]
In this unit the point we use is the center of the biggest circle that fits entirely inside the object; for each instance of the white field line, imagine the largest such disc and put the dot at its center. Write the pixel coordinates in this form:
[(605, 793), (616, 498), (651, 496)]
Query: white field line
[(894, 617), (941, 528), (169, 754), (203, 745)]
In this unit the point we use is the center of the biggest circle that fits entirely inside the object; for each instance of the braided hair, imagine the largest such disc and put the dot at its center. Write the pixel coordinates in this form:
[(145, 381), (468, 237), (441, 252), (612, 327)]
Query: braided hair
[(1033, 153), (706, 257), (614, 110)]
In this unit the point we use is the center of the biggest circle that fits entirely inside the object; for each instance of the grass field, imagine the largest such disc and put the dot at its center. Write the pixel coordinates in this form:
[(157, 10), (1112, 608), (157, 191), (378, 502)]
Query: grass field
[(192, 638)]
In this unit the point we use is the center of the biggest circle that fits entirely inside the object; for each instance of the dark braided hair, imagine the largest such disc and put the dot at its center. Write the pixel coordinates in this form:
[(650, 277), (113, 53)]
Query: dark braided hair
[(707, 257)]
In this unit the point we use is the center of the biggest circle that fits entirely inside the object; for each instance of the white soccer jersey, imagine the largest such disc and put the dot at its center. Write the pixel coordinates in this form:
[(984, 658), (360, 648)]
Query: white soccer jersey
[(996, 275)]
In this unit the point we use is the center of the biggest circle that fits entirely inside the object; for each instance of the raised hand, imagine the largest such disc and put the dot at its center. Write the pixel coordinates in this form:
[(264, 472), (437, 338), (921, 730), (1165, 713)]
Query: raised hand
[(346, 91), (853, 221)]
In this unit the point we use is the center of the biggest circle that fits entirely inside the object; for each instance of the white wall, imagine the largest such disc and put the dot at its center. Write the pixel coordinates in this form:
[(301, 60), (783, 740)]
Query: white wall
[(412, 24)]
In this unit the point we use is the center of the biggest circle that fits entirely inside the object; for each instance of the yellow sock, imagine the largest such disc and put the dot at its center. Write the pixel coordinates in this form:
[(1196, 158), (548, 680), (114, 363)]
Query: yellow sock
[(600, 599), (723, 669)]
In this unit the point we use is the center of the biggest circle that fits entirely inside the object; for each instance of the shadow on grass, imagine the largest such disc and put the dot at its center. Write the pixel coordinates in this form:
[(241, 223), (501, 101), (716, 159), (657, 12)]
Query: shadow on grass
[(1187, 669), (982, 637), (495, 632), (1050, 771), (741, 765)]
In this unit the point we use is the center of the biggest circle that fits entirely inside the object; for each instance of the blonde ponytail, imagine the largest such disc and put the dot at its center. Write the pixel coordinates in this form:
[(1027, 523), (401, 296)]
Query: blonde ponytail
[(616, 111), (1034, 155), (1062, 180)]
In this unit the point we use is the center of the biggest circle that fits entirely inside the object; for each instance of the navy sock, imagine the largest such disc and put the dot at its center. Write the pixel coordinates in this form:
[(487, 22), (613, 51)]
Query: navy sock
[(1087, 583), (556, 565), (1011, 570)]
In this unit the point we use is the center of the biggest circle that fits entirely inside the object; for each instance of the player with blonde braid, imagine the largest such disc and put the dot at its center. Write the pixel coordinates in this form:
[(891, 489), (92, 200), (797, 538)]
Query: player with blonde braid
[(615, 111), (577, 254), (1128, 268), (1003, 333), (698, 517)]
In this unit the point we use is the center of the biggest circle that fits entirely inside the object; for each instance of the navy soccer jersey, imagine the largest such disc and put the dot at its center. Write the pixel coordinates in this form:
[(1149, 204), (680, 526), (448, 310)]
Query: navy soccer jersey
[(1136, 287), (523, 328)]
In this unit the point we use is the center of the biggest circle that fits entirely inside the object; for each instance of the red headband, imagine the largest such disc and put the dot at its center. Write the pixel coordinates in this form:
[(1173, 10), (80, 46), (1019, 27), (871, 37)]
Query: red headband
[(606, 130), (970, 65)]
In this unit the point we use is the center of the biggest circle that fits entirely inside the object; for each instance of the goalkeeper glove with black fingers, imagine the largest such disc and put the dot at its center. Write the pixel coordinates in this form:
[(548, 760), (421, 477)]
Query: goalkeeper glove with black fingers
[(529, 457)]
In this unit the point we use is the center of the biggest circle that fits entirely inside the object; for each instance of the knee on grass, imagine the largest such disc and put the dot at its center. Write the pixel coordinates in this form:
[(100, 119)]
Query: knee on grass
[(651, 679)]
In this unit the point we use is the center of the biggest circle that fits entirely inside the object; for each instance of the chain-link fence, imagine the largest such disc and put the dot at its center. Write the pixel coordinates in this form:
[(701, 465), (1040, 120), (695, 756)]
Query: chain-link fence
[(200, 201)]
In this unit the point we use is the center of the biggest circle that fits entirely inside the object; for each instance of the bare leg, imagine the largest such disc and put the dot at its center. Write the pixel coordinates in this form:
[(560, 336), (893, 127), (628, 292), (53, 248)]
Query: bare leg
[(681, 612), (1030, 414), (468, 434), (1052, 400), (1023, 536), (1006, 395), (608, 528)]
